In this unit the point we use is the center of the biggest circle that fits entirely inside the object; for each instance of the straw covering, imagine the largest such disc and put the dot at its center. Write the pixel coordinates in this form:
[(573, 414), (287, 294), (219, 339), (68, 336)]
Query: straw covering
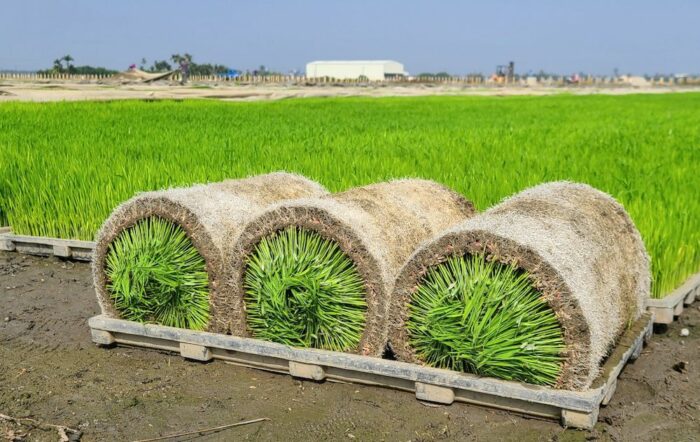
[(376, 226), (209, 214), (581, 252)]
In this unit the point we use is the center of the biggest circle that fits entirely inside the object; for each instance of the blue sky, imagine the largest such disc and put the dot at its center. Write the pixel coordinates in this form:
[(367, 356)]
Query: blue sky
[(595, 36)]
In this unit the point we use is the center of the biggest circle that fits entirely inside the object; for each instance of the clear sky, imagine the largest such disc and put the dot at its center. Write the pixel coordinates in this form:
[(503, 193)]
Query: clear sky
[(594, 36)]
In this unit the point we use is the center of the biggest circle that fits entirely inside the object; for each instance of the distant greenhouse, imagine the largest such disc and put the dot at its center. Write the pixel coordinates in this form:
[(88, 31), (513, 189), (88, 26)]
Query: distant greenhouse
[(356, 69)]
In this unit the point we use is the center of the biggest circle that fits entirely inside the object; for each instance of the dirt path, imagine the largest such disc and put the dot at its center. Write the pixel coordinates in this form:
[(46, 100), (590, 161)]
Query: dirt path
[(50, 371), (77, 91)]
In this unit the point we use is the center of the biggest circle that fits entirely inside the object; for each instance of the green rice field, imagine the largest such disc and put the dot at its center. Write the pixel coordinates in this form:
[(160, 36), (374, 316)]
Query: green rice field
[(65, 166)]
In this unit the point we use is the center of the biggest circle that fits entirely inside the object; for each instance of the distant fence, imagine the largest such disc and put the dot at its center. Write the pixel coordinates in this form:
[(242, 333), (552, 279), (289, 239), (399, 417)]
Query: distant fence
[(468, 80)]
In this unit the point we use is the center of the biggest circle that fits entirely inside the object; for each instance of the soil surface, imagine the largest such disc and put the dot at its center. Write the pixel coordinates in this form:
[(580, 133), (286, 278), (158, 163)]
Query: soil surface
[(70, 90), (51, 372)]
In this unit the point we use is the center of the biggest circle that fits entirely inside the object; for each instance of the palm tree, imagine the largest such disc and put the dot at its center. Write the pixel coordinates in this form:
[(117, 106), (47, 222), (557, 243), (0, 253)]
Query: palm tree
[(68, 59), (57, 66)]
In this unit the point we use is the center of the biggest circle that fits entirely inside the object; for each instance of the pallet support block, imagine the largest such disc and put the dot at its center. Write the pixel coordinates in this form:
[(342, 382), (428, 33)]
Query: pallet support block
[(609, 393), (434, 393), (579, 419), (195, 352), (678, 310), (649, 332), (690, 298), (61, 251), (101, 337), (306, 371), (662, 315), (7, 245), (637, 352)]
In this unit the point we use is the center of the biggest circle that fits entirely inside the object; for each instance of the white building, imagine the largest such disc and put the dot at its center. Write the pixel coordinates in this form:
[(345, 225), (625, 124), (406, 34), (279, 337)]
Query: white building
[(351, 70)]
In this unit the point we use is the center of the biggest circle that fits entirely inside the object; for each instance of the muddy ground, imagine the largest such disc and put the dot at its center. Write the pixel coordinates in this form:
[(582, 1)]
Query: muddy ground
[(51, 372)]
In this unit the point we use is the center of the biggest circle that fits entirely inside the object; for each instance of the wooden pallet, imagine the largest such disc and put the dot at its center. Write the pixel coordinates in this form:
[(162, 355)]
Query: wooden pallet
[(670, 306), (578, 409), (37, 245)]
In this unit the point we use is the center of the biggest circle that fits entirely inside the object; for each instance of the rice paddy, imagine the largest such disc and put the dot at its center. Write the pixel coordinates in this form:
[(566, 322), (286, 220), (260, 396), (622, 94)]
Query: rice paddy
[(65, 166)]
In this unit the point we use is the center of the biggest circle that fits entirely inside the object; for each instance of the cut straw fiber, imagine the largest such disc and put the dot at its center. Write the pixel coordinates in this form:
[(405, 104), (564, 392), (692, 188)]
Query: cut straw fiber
[(209, 215), (376, 226), (581, 251)]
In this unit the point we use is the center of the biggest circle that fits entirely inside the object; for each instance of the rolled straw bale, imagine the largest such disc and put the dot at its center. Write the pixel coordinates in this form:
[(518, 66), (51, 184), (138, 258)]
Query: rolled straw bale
[(377, 226), (209, 214), (582, 252)]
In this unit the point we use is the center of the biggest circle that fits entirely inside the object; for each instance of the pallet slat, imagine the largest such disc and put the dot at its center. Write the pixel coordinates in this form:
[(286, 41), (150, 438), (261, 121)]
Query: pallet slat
[(37, 245), (572, 408)]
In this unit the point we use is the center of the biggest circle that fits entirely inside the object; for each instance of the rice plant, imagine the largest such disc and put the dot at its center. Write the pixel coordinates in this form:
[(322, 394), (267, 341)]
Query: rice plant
[(485, 318), (155, 274), (303, 291), (65, 166)]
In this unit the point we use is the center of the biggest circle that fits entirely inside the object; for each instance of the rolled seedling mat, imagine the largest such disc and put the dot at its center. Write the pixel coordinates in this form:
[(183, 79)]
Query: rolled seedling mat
[(170, 242), (586, 278), (317, 272)]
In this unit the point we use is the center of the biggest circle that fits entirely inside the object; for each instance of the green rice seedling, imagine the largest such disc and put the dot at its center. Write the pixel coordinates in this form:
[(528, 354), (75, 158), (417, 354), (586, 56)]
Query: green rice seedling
[(485, 318), (65, 166), (155, 274), (303, 291)]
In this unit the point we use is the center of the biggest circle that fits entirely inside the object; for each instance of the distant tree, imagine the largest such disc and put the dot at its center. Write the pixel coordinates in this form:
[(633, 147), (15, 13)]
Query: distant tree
[(263, 71), (208, 69), (195, 68), (59, 68), (438, 74), (160, 66), (177, 58), (91, 70), (68, 59)]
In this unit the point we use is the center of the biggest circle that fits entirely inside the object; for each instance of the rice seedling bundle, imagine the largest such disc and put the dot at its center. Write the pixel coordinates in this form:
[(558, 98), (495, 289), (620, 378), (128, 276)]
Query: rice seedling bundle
[(317, 272), (537, 289), (158, 257)]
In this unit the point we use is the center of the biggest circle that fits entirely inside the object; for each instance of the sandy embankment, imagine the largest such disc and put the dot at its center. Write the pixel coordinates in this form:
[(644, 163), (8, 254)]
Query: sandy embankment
[(76, 91)]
